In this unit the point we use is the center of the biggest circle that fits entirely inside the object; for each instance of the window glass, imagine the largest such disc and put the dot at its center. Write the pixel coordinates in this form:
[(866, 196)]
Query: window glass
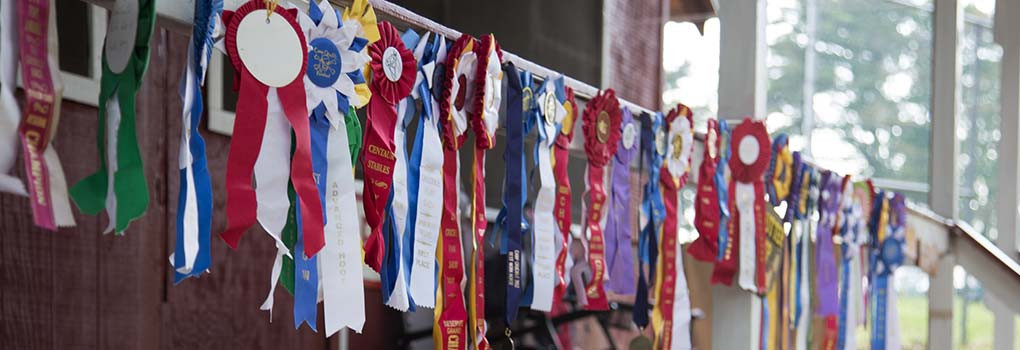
[(691, 63), (74, 30), (978, 129), (850, 82)]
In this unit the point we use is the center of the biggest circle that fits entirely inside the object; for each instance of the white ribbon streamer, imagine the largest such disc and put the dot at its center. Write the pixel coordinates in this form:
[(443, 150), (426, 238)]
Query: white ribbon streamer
[(544, 269), (745, 207), (804, 294), (112, 127), (272, 172), (10, 114), (398, 296), (184, 161), (340, 261), (681, 297)]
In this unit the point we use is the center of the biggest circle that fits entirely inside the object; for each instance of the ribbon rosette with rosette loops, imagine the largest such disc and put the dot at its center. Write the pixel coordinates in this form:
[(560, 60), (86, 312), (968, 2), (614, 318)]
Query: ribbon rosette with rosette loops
[(601, 126), (393, 71), (119, 185), (267, 49), (751, 154), (485, 119), (888, 226), (619, 259), (450, 318), (672, 314), (706, 201), (336, 55)]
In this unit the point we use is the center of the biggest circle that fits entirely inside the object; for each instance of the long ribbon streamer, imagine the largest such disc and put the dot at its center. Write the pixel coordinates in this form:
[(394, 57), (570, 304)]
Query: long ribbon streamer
[(562, 206), (825, 260), (119, 184), (706, 201), (10, 113), (40, 76), (601, 134), (549, 116), (653, 211), (192, 251), (619, 257)]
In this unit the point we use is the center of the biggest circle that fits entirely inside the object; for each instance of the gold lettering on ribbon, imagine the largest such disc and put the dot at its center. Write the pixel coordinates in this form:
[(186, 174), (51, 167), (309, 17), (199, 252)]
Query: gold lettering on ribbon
[(382, 152), (373, 165)]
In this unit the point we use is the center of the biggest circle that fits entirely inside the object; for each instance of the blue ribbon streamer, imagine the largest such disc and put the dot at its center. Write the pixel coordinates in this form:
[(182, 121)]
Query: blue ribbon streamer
[(653, 207), (206, 12)]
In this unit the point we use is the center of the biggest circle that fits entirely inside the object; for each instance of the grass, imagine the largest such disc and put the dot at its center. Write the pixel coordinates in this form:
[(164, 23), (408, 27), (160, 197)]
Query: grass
[(914, 325)]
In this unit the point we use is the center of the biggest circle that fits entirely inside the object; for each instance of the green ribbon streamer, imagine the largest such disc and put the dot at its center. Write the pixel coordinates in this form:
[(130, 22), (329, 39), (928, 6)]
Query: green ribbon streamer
[(129, 183), (289, 234)]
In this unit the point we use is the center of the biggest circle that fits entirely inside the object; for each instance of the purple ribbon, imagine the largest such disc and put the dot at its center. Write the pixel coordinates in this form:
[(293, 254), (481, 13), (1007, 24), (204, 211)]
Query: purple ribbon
[(619, 256), (828, 206)]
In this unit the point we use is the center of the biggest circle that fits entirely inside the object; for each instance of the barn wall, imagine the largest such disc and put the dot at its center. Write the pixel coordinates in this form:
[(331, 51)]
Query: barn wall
[(78, 288)]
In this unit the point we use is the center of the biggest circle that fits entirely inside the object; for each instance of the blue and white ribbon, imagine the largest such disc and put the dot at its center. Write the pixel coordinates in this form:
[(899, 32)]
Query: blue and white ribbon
[(191, 255)]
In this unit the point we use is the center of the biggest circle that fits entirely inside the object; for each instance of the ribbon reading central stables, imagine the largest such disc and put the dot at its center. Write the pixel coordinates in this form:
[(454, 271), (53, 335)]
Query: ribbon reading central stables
[(255, 100), (751, 147), (671, 317), (450, 317), (119, 184), (393, 73), (601, 125)]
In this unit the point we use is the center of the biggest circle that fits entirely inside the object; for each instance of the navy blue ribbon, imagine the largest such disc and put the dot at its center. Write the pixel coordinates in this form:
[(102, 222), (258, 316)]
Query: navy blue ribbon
[(201, 44), (654, 209), (513, 192)]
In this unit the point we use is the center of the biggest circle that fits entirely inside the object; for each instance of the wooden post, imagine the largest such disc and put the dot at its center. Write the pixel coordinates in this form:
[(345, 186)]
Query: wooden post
[(1007, 216), (944, 151), (736, 314)]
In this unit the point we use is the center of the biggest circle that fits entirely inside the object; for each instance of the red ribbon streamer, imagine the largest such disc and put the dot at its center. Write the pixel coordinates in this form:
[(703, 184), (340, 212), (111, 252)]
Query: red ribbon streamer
[(601, 125), (38, 122), (669, 252), (452, 324), (378, 157), (561, 208), (706, 202), (247, 141)]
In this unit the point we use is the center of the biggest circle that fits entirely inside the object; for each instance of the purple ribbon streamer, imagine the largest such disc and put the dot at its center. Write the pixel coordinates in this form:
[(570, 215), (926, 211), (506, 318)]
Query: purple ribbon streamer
[(828, 205), (619, 256)]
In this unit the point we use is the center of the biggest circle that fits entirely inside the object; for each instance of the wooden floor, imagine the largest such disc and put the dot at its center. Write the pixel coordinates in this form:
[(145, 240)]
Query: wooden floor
[(79, 289)]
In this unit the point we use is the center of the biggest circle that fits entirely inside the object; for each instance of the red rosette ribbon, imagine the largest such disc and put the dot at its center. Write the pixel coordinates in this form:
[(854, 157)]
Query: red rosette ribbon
[(393, 72), (484, 114), (751, 149), (601, 125), (706, 200), (248, 132)]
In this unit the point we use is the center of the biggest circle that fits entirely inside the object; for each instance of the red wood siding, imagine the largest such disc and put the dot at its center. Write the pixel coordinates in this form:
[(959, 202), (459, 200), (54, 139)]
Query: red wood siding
[(77, 288)]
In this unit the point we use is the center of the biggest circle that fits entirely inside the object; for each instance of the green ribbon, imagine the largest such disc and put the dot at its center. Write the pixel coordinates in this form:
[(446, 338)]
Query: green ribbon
[(289, 234), (129, 182)]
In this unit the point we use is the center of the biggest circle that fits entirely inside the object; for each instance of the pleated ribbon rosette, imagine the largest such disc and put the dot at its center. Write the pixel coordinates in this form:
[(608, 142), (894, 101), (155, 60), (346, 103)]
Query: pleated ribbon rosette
[(393, 71), (751, 154), (672, 315), (450, 318), (601, 127)]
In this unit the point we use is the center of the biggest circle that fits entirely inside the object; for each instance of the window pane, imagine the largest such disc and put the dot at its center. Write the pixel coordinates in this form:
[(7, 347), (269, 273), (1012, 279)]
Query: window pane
[(691, 62), (865, 67), (979, 117), (75, 37), (229, 95)]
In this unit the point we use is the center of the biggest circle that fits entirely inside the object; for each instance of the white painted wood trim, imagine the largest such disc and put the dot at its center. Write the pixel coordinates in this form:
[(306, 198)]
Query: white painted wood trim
[(220, 121), (944, 151)]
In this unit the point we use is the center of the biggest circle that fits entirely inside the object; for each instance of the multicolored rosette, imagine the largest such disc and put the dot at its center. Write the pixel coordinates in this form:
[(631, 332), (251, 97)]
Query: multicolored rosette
[(393, 72), (779, 177), (336, 56), (706, 200), (601, 125), (450, 318), (361, 12), (888, 222), (671, 317), (485, 118), (750, 144)]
